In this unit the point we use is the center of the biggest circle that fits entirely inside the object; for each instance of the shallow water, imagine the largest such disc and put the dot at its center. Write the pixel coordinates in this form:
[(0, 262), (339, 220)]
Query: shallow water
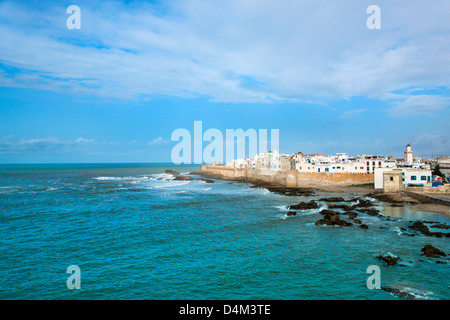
[(137, 234)]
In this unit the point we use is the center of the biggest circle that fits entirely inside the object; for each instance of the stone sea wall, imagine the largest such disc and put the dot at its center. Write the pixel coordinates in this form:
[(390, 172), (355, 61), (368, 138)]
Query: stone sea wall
[(289, 178)]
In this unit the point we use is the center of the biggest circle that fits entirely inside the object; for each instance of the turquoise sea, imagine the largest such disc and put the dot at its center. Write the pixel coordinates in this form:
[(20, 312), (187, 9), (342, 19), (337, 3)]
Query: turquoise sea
[(135, 233)]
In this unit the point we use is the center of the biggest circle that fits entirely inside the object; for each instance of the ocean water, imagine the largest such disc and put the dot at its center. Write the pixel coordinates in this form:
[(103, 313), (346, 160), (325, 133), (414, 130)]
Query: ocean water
[(137, 234)]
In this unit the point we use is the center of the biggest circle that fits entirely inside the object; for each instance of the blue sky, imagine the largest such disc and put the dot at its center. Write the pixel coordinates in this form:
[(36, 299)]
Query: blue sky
[(115, 90)]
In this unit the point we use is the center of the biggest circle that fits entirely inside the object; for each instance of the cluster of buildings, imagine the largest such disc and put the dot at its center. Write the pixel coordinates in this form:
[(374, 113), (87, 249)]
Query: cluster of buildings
[(411, 171)]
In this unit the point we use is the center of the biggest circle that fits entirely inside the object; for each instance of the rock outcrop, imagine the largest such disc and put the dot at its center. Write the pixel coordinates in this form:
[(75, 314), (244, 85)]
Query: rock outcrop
[(390, 260), (332, 218), (433, 252), (304, 205)]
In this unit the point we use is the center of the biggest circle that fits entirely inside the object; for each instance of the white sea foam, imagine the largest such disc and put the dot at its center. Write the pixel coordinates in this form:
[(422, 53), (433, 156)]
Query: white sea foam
[(282, 208), (169, 184), (416, 293), (262, 190), (396, 229)]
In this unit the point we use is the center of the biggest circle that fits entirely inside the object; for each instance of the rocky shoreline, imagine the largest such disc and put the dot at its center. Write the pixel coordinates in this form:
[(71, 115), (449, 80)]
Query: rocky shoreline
[(394, 199), (347, 203)]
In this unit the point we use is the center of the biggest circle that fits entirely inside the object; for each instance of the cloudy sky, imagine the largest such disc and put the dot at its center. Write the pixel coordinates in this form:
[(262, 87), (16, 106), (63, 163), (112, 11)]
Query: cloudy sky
[(116, 89)]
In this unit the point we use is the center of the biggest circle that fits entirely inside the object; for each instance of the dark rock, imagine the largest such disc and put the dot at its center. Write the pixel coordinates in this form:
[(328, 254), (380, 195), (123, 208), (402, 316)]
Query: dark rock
[(441, 262), (370, 211), (363, 203), (328, 212), (206, 180), (172, 172), (390, 260), (332, 218), (441, 226), (433, 252), (291, 213), (396, 205), (287, 191), (386, 197), (357, 221), (345, 207), (351, 215), (332, 199), (419, 226), (363, 226), (304, 205), (183, 178)]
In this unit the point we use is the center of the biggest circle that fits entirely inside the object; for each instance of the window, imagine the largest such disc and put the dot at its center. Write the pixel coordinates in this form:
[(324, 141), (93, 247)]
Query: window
[(379, 163), (327, 170), (391, 178), (318, 170), (423, 178), (413, 178), (334, 167)]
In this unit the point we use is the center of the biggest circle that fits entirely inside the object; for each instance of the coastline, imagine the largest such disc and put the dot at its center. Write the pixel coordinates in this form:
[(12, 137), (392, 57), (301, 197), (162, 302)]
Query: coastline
[(396, 199)]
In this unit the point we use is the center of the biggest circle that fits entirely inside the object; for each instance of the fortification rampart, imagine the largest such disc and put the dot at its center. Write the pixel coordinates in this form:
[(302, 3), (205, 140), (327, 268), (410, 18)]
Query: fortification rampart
[(289, 178)]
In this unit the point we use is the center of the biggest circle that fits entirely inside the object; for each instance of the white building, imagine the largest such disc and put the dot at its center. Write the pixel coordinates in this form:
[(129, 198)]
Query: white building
[(410, 176)]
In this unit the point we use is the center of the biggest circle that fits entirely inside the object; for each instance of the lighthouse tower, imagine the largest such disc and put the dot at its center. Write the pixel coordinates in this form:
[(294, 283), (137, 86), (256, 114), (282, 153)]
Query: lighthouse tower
[(408, 154)]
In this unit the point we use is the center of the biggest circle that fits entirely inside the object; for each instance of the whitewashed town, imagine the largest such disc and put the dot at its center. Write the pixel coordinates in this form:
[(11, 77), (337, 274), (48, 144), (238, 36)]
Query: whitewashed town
[(412, 171)]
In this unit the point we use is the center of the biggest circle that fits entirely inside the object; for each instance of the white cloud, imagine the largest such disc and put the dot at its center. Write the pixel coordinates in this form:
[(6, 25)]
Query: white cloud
[(83, 140), (294, 50), (351, 113), (419, 105), (40, 145), (158, 140)]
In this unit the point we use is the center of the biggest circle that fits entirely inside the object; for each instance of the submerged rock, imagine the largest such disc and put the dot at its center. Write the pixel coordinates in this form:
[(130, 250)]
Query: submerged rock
[(363, 226), (398, 293), (370, 211), (441, 226), (433, 252), (422, 228), (291, 213), (206, 180)]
